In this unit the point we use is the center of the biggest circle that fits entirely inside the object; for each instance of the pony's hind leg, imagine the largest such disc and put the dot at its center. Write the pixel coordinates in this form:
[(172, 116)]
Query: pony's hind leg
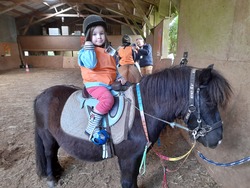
[(46, 156)]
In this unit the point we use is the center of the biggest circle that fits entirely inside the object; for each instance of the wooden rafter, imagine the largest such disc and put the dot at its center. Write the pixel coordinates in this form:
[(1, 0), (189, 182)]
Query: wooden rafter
[(28, 7), (30, 21), (125, 14), (7, 9), (74, 15), (152, 2), (132, 29), (105, 16), (132, 19), (132, 13), (138, 7), (47, 17), (15, 11), (119, 11)]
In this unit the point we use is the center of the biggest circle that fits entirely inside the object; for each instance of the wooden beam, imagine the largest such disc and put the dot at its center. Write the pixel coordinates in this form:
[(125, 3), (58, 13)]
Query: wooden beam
[(128, 4), (90, 1), (151, 2), (7, 9), (29, 8), (26, 29), (176, 4), (56, 5), (15, 11), (37, 13), (125, 14), (131, 18), (76, 15), (106, 16), (132, 29), (47, 17), (138, 7), (118, 11)]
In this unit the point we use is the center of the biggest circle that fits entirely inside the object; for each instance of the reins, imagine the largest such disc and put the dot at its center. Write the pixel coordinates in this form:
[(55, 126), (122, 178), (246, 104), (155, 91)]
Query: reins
[(201, 130), (142, 169), (196, 133)]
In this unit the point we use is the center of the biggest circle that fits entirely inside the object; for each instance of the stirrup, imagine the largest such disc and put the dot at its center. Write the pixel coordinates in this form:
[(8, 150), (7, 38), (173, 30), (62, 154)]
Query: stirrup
[(100, 137)]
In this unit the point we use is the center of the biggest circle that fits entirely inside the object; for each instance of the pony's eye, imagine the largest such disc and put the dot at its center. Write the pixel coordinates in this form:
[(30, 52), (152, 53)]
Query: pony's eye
[(210, 104)]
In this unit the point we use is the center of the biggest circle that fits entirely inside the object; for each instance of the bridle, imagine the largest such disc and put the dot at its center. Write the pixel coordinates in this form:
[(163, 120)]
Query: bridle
[(202, 129)]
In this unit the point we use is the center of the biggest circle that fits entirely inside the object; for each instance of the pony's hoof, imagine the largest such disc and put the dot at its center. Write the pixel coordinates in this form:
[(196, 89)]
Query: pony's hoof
[(51, 182)]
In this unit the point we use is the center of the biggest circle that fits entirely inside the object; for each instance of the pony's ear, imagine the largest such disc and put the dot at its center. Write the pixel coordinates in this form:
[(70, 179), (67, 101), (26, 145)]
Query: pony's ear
[(211, 66), (206, 75)]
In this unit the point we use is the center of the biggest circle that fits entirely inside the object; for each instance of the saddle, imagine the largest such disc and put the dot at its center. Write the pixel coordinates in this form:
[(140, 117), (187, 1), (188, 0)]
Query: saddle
[(117, 122), (88, 103)]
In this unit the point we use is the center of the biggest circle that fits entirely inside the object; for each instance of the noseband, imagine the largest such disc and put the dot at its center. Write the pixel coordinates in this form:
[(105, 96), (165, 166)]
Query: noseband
[(202, 129)]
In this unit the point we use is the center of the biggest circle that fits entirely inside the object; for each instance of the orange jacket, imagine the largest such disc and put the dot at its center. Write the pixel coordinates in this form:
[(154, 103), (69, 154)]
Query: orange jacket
[(126, 55), (105, 70)]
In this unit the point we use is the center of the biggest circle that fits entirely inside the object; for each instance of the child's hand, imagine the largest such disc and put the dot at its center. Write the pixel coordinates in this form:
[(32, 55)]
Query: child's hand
[(88, 43)]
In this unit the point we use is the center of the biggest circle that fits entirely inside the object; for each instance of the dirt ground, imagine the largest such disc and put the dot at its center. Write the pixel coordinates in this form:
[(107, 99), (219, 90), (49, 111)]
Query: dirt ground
[(18, 89)]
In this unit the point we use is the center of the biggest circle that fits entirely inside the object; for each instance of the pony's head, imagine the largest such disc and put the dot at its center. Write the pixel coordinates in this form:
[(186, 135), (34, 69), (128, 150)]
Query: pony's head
[(194, 95), (208, 91)]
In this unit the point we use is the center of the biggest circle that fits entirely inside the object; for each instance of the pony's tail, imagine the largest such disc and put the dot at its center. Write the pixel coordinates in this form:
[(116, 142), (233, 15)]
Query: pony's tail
[(41, 164)]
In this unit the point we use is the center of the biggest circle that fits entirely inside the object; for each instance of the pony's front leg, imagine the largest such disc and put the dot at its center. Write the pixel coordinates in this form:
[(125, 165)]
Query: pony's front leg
[(129, 172)]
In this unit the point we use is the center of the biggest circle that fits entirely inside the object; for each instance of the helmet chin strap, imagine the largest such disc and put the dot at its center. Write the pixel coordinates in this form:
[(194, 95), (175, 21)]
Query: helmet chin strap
[(87, 34)]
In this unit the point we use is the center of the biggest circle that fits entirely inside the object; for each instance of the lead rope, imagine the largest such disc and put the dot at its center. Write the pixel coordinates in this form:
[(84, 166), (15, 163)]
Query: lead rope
[(142, 168), (238, 162), (172, 159)]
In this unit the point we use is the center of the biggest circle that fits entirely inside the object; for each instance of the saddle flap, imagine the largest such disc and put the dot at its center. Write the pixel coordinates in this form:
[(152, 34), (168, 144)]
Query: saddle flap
[(114, 114)]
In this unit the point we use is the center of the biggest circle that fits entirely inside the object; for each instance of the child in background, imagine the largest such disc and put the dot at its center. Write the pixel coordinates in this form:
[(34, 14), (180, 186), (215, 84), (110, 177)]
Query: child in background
[(98, 70), (127, 56)]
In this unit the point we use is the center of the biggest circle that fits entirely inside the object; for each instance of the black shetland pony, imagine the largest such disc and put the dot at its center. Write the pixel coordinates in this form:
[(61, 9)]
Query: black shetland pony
[(166, 95)]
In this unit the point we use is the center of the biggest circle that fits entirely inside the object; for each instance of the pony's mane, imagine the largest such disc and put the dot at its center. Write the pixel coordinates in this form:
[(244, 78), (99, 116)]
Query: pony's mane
[(158, 87), (219, 89), (174, 81)]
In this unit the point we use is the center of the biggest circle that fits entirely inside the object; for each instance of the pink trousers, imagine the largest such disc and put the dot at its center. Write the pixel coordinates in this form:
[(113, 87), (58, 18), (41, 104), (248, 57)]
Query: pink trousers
[(104, 96)]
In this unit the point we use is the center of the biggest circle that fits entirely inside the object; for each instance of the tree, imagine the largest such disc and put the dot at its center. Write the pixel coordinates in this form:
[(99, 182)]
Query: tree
[(173, 30)]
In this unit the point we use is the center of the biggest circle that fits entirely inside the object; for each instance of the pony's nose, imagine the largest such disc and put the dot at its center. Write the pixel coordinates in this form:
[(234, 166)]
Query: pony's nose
[(212, 147)]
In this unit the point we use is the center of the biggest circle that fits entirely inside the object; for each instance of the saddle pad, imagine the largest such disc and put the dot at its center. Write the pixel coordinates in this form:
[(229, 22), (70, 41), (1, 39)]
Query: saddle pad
[(74, 118)]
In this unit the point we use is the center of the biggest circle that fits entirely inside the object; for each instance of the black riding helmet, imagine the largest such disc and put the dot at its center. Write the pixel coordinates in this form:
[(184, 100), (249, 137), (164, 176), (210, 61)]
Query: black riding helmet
[(126, 40), (91, 21)]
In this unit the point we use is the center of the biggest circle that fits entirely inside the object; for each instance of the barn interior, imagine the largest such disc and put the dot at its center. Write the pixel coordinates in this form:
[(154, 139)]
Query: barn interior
[(35, 31), (212, 32)]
